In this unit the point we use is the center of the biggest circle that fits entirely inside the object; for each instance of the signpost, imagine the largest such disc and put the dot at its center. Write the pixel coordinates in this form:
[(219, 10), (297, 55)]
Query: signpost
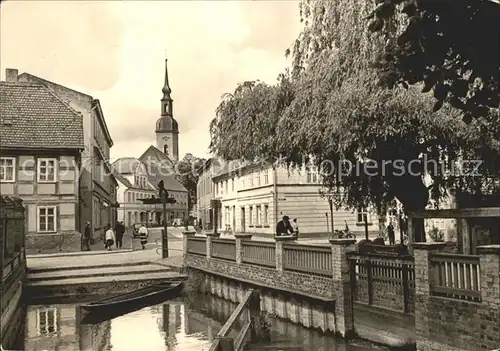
[(164, 200)]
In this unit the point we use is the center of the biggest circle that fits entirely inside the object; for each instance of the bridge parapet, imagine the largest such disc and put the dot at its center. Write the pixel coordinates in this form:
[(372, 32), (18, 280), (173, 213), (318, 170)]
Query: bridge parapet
[(429, 295)]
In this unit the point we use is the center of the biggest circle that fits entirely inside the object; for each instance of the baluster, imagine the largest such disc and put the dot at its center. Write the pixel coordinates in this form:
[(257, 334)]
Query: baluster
[(462, 267)]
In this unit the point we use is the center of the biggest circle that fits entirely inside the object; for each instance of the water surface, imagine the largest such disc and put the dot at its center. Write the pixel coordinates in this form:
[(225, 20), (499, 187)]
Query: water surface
[(177, 325)]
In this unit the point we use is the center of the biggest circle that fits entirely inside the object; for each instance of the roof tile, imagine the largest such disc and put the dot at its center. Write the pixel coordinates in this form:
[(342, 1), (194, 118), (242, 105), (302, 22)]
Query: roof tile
[(34, 117)]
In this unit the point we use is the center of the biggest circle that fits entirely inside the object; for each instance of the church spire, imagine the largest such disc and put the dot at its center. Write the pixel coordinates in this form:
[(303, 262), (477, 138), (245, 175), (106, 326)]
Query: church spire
[(166, 100), (166, 87)]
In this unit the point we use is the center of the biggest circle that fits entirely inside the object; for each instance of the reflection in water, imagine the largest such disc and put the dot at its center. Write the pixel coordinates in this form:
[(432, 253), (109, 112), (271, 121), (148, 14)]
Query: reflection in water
[(190, 323)]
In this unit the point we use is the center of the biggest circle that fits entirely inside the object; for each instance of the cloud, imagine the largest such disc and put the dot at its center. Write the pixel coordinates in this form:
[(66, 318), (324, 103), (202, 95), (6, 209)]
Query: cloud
[(115, 51)]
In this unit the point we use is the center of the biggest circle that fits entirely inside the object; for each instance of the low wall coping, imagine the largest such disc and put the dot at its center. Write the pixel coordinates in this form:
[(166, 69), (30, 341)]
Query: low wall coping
[(488, 250), (213, 234), (189, 232), (428, 246), (243, 236), (285, 237), (345, 241)]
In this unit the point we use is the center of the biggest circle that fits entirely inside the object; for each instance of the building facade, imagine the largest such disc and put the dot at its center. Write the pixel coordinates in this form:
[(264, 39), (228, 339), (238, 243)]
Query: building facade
[(137, 181), (97, 186), (255, 197), (42, 138), (205, 191)]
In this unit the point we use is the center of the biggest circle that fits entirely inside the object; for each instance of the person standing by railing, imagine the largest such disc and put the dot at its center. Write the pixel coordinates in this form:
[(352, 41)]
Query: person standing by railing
[(283, 227), (295, 227)]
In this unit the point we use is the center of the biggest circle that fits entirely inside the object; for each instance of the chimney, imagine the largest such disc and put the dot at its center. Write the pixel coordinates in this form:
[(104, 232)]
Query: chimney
[(11, 75)]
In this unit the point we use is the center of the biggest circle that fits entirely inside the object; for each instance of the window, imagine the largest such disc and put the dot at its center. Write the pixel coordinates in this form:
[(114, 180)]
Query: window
[(46, 321), (266, 214), (242, 183), (259, 215), (227, 186), (47, 219), (47, 169), (312, 175), (363, 215), (266, 176), (250, 217), (232, 184), (257, 175), (227, 215), (7, 169)]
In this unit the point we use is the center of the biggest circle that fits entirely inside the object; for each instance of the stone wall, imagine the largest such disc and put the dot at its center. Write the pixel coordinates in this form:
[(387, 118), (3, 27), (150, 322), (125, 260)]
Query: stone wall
[(309, 284), (444, 323), (50, 243), (305, 311)]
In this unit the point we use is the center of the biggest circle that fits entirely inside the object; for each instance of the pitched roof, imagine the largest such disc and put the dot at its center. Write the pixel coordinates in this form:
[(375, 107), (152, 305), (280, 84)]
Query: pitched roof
[(152, 150), (169, 179), (122, 179), (34, 117), (128, 165)]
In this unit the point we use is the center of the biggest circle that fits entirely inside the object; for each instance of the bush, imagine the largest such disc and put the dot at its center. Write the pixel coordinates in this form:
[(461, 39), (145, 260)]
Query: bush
[(436, 235)]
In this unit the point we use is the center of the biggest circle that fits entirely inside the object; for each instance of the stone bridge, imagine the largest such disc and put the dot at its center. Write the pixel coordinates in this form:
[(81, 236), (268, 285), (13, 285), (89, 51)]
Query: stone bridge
[(432, 299)]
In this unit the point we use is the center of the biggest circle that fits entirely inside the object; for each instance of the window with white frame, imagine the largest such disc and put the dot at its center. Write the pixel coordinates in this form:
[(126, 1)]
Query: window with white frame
[(312, 175), (47, 219), (257, 175), (363, 215), (266, 176), (266, 214), (46, 321), (259, 214), (232, 184), (7, 169), (47, 169), (250, 217)]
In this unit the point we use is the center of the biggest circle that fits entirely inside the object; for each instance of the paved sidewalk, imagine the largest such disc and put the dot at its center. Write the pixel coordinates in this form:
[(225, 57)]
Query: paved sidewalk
[(102, 259)]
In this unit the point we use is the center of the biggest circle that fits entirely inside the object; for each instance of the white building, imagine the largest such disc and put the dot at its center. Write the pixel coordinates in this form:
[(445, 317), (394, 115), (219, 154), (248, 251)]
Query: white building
[(255, 197), (205, 191), (139, 181)]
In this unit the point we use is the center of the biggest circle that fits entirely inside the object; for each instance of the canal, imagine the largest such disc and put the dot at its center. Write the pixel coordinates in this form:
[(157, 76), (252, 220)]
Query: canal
[(187, 323)]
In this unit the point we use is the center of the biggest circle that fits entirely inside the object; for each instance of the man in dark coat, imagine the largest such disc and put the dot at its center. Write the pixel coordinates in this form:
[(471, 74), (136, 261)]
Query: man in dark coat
[(390, 234), (86, 236), (284, 227), (120, 231)]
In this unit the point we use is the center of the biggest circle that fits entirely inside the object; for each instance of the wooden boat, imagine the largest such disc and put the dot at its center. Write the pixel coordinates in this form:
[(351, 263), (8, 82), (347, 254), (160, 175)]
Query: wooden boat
[(134, 300)]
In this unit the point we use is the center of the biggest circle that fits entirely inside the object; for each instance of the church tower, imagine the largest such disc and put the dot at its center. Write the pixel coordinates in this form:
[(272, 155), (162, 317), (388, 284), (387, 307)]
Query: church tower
[(167, 129)]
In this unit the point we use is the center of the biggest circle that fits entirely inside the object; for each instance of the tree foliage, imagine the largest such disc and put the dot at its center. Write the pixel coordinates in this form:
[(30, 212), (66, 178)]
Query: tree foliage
[(451, 46), (187, 173), (330, 106)]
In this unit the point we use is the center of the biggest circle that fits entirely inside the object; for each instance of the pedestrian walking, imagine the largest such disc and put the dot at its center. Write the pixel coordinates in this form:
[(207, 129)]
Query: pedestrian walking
[(109, 237), (283, 227), (143, 235), (390, 234), (120, 231), (295, 227), (86, 235)]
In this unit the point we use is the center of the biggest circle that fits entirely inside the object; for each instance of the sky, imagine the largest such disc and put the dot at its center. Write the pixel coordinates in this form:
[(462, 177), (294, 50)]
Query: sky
[(115, 51)]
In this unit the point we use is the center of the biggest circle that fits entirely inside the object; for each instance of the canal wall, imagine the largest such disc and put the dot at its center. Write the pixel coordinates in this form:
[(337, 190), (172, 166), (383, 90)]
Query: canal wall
[(310, 312), (432, 300)]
